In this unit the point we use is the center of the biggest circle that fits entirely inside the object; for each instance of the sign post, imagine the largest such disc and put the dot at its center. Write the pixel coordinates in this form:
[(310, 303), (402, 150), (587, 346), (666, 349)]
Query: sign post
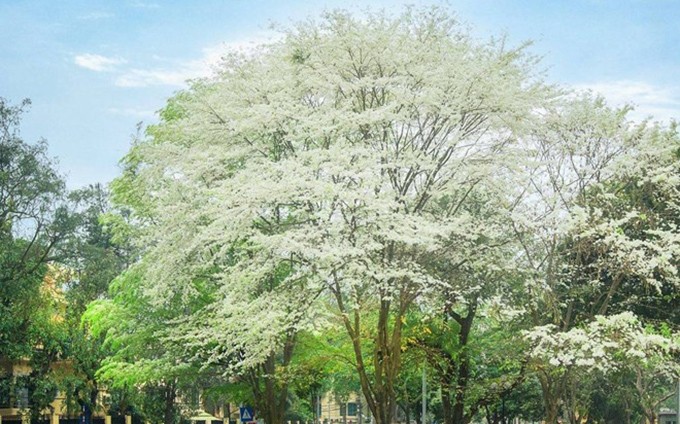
[(246, 413)]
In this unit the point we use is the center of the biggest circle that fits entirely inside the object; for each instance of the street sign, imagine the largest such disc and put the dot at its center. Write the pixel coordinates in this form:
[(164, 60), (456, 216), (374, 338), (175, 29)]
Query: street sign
[(247, 414)]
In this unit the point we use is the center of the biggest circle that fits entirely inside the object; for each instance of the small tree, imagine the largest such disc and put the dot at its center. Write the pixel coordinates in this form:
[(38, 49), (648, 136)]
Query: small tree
[(595, 230), (606, 345)]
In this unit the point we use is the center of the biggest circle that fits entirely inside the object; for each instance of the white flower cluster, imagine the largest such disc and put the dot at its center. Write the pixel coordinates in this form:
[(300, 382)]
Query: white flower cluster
[(607, 343)]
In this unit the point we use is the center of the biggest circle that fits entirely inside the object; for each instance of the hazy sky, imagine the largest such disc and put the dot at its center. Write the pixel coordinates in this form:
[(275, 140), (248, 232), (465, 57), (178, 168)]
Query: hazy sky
[(93, 69)]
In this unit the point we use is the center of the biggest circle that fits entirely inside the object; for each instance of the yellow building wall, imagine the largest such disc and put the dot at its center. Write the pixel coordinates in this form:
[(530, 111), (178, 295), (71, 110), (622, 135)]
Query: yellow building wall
[(22, 368), (331, 409)]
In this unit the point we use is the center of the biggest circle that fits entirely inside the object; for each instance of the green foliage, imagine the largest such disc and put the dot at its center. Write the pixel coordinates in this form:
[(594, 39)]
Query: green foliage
[(33, 223), (361, 199)]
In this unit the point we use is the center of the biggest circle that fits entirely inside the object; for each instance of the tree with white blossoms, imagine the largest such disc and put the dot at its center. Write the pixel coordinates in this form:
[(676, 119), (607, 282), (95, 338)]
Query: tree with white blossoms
[(342, 164), (609, 344), (599, 228)]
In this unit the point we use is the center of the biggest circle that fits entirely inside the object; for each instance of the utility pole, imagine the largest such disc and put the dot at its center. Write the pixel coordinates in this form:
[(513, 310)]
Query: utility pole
[(677, 411), (317, 408), (423, 413)]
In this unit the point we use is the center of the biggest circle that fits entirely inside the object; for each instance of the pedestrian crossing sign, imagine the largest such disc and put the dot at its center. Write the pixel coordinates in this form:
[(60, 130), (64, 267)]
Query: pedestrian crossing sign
[(246, 414)]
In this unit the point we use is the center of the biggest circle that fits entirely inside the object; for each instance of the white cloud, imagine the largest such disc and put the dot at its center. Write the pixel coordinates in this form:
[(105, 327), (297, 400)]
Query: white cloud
[(148, 77), (660, 102), (174, 75), (178, 74), (99, 63)]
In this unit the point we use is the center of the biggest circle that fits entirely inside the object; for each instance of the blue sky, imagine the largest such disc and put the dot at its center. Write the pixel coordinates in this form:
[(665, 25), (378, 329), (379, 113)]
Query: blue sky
[(93, 68)]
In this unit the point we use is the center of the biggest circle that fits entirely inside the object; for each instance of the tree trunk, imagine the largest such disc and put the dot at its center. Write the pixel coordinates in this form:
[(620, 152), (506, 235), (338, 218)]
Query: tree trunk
[(269, 404), (458, 416), (271, 396), (418, 417), (386, 362), (378, 389), (266, 404), (406, 406), (169, 410), (650, 416), (551, 398), (552, 412), (447, 404)]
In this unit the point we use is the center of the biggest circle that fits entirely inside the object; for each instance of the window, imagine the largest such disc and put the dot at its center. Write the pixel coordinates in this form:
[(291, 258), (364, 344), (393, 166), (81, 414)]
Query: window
[(352, 409), (5, 386), (22, 397)]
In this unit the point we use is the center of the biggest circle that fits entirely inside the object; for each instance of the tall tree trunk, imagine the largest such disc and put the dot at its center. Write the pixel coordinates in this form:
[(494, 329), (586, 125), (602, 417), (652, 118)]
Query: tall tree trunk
[(447, 403), (627, 412), (552, 412), (571, 400), (464, 367), (169, 410), (266, 401), (386, 362), (271, 395), (378, 389), (650, 416), (551, 399)]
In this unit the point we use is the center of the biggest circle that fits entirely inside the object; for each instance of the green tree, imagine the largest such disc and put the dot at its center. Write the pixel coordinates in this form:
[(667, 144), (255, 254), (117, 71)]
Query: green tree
[(92, 259), (131, 328), (35, 221)]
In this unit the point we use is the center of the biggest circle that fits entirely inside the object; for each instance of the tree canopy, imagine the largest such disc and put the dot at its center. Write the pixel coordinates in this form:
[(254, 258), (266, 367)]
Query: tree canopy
[(363, 169), (362, 199)]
